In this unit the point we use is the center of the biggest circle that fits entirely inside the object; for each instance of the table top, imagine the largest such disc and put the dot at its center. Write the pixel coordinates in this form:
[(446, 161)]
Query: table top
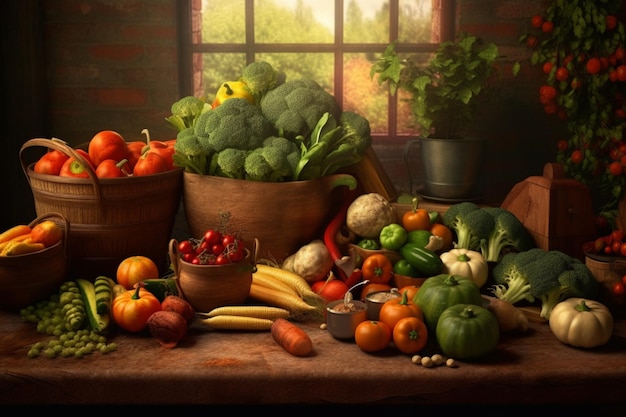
[(227, 367)]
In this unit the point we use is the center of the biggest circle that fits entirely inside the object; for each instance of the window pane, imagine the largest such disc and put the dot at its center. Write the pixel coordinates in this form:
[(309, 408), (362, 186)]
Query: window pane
[(366, 21), (289, 21), (363, 95), (313, 66), (415, 21), (223, 21), (219, 68)]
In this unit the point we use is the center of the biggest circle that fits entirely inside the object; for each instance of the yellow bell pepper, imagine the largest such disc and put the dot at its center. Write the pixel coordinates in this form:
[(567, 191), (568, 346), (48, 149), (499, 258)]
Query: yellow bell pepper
[(232, 89)]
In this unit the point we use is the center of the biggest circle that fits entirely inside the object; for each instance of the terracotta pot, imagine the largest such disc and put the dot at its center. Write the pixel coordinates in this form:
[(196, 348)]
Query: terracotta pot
[(283, 216)]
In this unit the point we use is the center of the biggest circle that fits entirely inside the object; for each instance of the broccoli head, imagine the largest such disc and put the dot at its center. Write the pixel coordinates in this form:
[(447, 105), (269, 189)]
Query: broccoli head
[(260, 77), (549, 276), (509, 233), (295, 107), (454, 218), (271, 162), (185, 112), (234, 124)]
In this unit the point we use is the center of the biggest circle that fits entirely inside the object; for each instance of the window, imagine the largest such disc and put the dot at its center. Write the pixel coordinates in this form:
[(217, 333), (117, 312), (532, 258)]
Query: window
[(333, 42)]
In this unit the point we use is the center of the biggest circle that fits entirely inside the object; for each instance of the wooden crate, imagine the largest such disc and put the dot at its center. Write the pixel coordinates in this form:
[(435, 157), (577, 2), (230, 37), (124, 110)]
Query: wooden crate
[(557, 211)]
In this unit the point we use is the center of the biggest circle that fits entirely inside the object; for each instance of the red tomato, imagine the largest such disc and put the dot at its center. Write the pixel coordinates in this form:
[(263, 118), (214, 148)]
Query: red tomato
[(547, 67), (393, 310), (228, 239), (50, 163), (562, 145), (616, 169), (547, 26), (536, 21), (410, 335), (611, 22), (109, 168), (217, 248), (222, 259), (617, 234), (594, 65), (150, 163), (377, 268), (616, 247), (562, 74), (618, 289), (621, 72), (577, 156), (622, 249), (212, 236), (107, 144), (185, 246), (372, 336), (330, 290)]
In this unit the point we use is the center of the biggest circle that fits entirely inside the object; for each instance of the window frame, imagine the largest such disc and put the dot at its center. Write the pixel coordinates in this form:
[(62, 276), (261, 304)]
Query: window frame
[(188, 29)]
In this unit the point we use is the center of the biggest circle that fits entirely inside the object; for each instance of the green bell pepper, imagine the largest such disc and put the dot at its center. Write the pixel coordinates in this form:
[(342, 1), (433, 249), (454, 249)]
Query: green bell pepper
[(392, 236)]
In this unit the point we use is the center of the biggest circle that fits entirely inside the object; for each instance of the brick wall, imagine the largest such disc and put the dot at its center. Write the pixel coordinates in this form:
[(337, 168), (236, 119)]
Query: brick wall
[(110, 65)]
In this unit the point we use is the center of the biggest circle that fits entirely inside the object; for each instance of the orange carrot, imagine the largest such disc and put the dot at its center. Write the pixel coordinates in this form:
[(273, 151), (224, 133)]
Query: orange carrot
[(291, 337), (9, 234)]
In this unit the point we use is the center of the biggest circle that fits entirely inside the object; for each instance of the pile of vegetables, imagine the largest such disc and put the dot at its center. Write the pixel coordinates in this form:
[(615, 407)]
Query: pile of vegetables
[(263, 127), (492, 231)]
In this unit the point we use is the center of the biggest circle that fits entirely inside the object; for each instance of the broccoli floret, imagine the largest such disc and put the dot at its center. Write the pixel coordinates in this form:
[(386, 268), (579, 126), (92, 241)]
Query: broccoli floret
[(510, 284), (547, 276), (480, 225), (190, 153), (509, 233), (256, 167), (260, 77), (296, 106), (230, 163), (234, 124), (185, 112), (454, 218), (271, 162)]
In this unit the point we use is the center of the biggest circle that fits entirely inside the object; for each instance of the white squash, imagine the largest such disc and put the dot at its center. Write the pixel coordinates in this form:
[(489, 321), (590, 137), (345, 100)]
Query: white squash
[(581, 322), (466, 263)]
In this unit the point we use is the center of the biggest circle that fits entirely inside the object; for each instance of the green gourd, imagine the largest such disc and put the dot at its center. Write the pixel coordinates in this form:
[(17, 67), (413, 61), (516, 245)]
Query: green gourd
[(442, 291), (467, 331)]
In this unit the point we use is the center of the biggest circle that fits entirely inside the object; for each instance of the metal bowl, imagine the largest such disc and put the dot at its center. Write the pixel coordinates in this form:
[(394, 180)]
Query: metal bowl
[(342, 324)]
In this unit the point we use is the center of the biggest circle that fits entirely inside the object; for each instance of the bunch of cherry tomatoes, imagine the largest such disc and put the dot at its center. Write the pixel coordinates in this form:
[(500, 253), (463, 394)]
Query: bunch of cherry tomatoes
[(213, 248), (612, 244)]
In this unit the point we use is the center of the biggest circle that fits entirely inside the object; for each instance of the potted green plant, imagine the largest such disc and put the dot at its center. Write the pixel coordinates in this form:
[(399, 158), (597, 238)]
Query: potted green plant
[(443, 97)]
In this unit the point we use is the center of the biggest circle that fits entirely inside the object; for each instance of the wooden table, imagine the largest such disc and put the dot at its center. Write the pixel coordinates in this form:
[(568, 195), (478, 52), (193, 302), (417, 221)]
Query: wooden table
[(211, 367)]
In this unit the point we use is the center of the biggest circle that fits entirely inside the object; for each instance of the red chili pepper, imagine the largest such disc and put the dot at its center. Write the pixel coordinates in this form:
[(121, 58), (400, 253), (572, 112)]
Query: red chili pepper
[(330, 233)]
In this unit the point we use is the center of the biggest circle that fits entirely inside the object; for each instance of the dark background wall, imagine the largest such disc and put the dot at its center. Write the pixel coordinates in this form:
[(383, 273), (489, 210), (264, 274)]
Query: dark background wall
[(72, 68)]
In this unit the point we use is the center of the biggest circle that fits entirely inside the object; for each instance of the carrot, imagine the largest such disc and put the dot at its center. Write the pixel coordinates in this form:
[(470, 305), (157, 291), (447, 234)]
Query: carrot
[(9, 234), (291, 338), (21, 238)]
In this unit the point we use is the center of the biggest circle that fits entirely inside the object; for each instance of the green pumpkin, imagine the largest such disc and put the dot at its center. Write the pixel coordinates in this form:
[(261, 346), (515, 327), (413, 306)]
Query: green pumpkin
[(467, 331), (442, 291)]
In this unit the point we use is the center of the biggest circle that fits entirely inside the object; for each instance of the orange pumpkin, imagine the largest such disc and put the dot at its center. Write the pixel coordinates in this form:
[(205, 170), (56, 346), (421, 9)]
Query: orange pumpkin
[(132, 309), (134, 269)]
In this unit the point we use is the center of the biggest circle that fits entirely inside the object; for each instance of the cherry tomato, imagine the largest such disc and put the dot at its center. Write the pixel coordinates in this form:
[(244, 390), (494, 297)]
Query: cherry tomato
[(617, 235), (185, 246), (577, 156), (217, 249), (189, 257), (594, 65), (618, 289), (222, 259), (616, 169), (622, 249), (372, 336), (212, 236), (562, 74), (410, 335), (616, 247), (228, 239), (537, 21)]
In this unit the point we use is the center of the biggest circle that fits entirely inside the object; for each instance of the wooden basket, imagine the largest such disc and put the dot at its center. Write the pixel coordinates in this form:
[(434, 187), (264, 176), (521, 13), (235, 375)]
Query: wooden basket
[(112, 218), (28, 278), (206, 287), (283, 215)]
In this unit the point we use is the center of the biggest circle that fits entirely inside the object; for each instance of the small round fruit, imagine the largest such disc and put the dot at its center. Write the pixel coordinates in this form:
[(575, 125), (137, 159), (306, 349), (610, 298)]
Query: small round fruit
[(134, 269)]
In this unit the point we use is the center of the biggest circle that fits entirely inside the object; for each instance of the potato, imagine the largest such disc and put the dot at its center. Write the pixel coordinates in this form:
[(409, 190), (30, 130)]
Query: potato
[(179, 305), (167, 327)]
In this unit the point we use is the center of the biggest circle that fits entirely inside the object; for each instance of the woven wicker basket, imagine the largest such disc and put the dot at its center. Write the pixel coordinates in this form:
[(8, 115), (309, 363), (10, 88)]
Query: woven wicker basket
[(112, 218), (28, 278)]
